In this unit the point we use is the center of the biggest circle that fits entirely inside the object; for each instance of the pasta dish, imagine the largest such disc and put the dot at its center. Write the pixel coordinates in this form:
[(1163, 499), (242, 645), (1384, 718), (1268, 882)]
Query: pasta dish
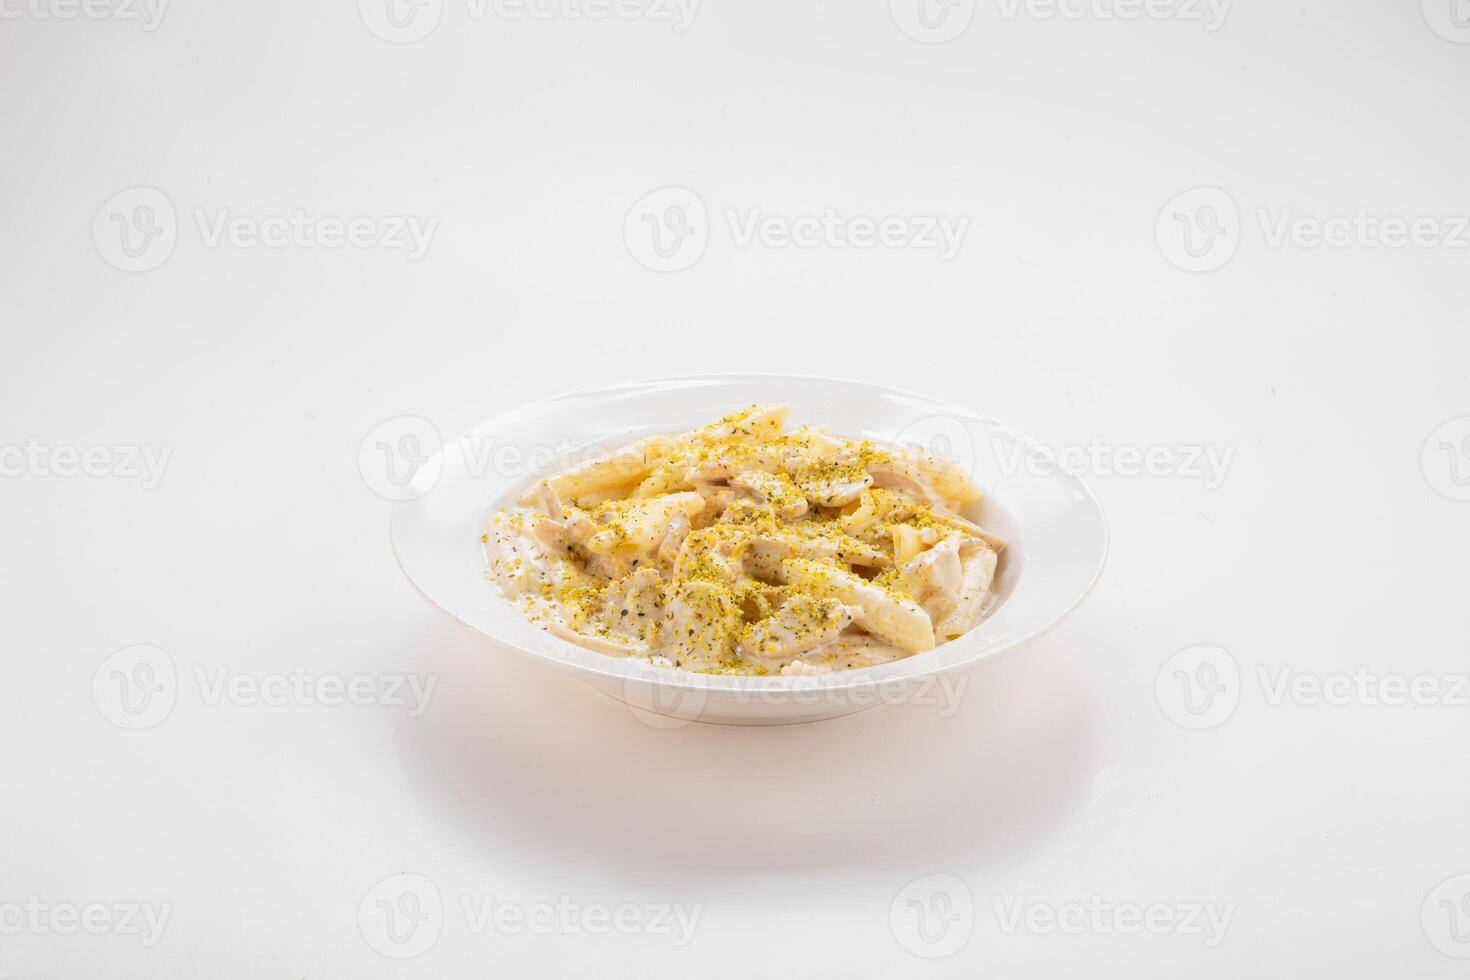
[(745, 547)]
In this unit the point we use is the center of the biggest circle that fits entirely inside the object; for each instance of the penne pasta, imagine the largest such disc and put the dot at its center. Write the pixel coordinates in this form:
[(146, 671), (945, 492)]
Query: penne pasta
[(745, 547)]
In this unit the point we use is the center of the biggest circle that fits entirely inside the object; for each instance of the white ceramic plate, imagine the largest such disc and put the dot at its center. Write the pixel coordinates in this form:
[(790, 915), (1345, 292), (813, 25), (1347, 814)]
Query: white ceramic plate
[(1057, 538)]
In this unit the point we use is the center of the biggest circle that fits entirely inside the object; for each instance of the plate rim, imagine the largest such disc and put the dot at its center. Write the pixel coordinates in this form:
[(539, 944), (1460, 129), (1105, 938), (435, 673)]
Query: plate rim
[(633, 671)]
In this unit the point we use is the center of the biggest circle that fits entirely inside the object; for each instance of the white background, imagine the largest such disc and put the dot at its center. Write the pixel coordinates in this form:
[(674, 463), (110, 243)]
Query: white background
[(1333, 542)]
